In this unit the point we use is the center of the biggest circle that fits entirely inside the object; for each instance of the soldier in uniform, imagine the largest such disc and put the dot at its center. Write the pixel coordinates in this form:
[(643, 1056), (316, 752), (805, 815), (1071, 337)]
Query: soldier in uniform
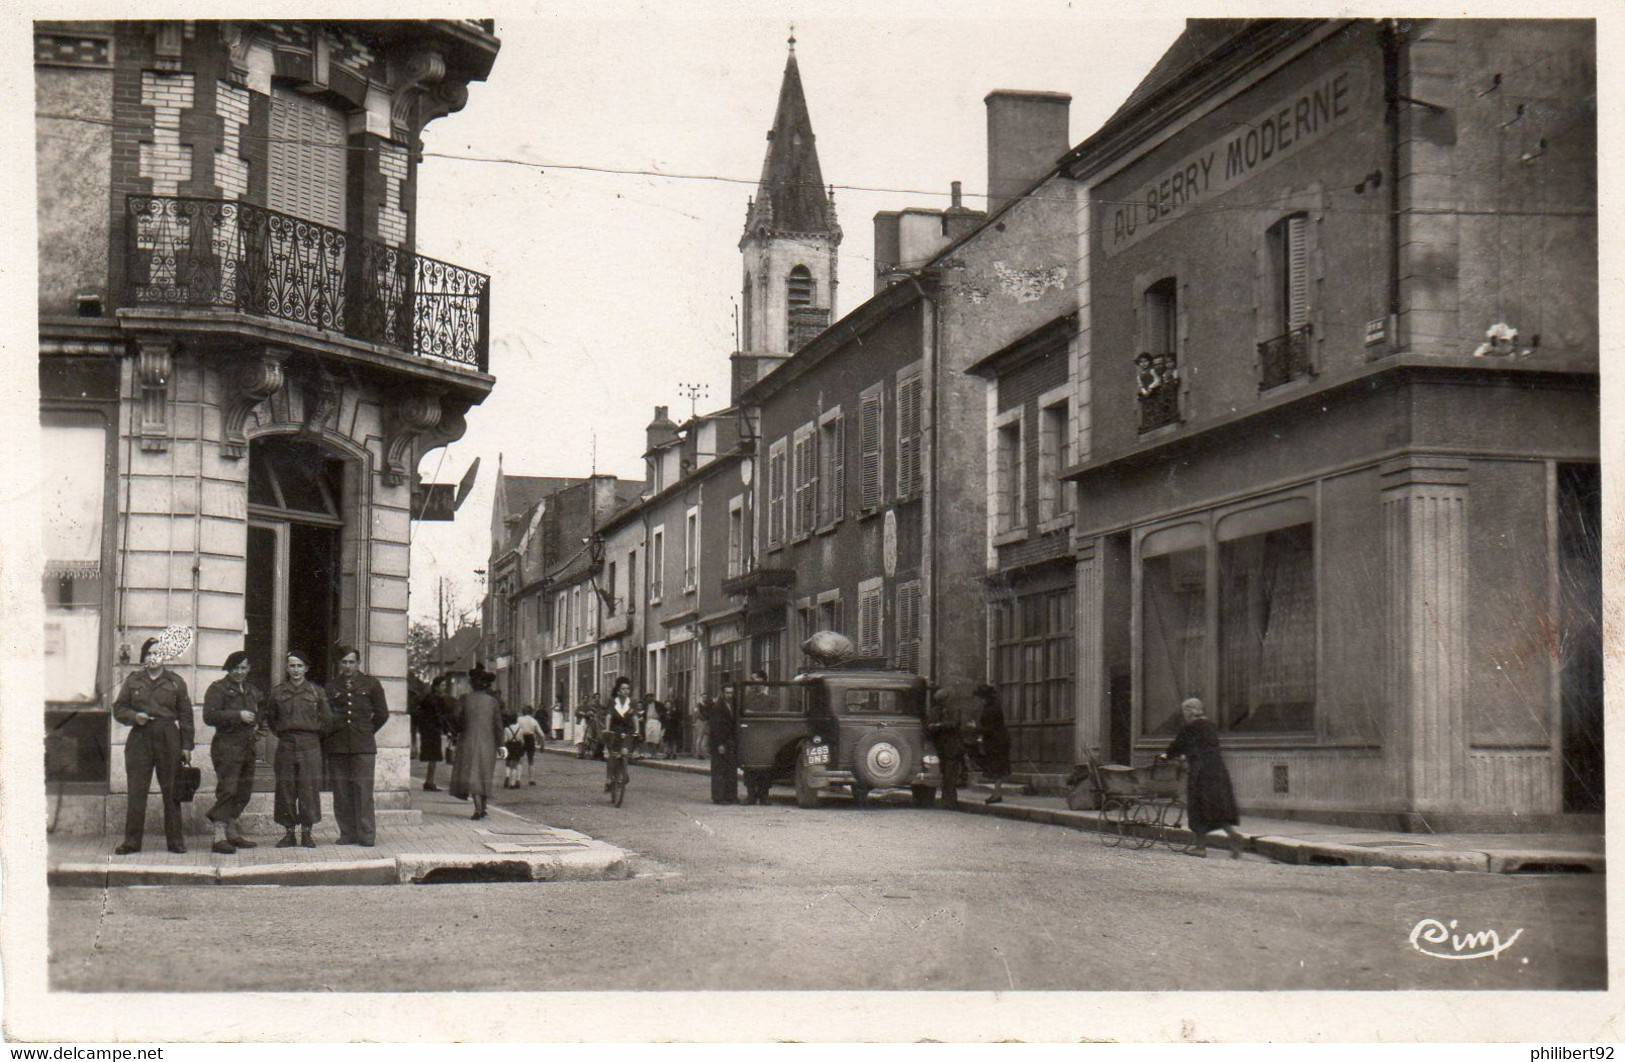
[(155, 704), (359, 712), (947, 734), (298, 713), (232, 707), (719, 738)]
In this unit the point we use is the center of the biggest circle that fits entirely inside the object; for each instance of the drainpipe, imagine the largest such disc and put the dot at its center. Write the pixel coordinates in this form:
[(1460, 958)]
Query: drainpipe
[(932, 528), (1392, 43)]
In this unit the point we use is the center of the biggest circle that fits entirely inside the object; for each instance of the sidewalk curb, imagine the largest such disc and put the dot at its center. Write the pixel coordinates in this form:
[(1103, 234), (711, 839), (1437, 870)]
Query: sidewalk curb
[(97, 875), (601, 862)]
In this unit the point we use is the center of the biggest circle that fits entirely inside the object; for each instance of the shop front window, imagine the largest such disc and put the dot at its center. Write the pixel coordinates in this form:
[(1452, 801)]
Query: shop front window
[(1267, 632), (1174, 635), (76, 726)]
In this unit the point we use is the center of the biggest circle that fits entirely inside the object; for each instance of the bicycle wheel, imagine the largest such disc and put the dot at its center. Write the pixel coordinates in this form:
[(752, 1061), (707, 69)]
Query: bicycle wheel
[(617, 788)]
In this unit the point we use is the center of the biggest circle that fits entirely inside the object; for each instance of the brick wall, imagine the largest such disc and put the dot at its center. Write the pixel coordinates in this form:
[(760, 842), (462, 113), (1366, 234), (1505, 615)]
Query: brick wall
[(392, 165), (231, 165), (165, 161)]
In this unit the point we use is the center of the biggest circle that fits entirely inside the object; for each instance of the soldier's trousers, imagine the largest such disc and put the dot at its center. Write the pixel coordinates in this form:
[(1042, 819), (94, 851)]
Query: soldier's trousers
[(298, 779), (233, 758), (152, 748), (352, 795)]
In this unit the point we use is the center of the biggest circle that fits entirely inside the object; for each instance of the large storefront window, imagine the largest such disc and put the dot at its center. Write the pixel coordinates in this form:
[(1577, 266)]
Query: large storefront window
[(1244, 585), (1267, 632), (76, 724), (726, 664)]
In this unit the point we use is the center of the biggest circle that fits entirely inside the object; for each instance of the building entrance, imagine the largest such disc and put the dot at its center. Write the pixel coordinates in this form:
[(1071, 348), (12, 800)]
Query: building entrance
[(292, 591)]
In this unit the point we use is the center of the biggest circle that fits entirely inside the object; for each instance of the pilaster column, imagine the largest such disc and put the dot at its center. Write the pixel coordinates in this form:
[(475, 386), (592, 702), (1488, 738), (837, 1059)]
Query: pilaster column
[(1424, 509), (1089, 727)]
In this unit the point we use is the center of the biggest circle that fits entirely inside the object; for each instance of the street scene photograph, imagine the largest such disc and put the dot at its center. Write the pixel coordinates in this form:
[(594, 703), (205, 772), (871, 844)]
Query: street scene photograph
[(943, 506)]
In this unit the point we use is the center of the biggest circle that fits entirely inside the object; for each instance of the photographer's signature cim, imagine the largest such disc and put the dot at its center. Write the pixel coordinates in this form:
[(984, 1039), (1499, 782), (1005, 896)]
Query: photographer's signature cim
[(1441, 941)]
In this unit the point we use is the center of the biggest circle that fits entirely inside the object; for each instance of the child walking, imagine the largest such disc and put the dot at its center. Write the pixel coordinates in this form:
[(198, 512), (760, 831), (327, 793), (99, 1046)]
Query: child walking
[(533, 737)]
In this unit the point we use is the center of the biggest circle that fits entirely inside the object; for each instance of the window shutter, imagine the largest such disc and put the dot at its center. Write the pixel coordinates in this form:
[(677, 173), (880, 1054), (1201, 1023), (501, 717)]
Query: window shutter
[(775, 494), (869, 438), (908, 626), (1297, 261), (306, 159), (909, 393), (837, 468)]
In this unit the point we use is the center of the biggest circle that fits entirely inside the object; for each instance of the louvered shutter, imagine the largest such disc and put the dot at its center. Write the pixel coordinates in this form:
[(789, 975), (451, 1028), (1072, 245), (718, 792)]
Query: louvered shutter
[(909, 394), (307, 159), (869, 622), (837, 468), (775, 494), (908, 626), (1297, 264), (869, 440)]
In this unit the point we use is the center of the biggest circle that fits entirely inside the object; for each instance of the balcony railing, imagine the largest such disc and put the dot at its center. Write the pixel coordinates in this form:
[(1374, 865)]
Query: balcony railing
[(225, 255), (1284, 358)]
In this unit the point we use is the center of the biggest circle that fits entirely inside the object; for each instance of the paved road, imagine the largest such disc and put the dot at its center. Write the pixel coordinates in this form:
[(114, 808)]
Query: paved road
[(886, 897)]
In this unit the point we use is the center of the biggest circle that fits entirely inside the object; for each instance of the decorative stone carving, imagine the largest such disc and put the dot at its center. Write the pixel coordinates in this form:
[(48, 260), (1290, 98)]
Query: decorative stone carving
[(407, 421), (155, 364), (239, 38), (423, 94), (256, 379), (324, 395)]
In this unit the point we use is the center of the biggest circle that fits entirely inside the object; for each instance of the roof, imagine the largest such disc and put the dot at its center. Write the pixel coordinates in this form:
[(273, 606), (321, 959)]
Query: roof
[(521, 492), (459, 652), (1202, 38), (790, 196)]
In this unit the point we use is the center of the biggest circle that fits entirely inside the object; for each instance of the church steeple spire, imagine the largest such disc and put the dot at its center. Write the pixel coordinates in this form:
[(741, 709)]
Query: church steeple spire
[(790, 242), (791, 196)]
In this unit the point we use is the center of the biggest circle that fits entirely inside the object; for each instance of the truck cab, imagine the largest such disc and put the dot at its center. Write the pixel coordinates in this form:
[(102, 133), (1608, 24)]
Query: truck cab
[(858, 729)]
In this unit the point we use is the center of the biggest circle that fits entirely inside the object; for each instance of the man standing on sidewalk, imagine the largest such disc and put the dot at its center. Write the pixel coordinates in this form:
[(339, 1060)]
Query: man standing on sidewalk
[(947, 733), (155, 704), (359, 712), (232, 707)]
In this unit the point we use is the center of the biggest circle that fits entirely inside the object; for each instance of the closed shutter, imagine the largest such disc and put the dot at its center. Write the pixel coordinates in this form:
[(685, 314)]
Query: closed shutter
[(307, 159), (1297, 262), (869, 619), (869, 449), (837, 468), (775, 494), (908, 626), (909, 394), (806, 480)]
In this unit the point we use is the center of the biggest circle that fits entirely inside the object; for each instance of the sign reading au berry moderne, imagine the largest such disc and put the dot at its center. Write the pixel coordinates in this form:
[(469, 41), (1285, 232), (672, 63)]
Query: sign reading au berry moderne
[(1284, 129)]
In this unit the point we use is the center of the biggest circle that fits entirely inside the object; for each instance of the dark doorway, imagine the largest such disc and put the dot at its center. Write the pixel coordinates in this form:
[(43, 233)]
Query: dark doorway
[(1116, 644), (1579, 575)]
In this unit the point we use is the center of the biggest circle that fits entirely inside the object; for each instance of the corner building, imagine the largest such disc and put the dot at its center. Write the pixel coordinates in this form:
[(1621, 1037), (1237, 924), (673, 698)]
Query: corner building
[(243, 358), (1339, 332)]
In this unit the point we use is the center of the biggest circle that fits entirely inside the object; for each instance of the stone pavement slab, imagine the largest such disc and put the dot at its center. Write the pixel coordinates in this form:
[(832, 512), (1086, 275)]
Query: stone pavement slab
[(445, 846)]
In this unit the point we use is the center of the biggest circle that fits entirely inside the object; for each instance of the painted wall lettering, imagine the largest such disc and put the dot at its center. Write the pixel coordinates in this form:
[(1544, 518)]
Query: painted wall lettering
[(1229, 161)]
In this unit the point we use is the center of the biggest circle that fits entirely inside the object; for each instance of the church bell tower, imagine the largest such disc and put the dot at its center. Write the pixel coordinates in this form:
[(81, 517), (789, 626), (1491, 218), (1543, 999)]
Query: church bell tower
[(789, 245)]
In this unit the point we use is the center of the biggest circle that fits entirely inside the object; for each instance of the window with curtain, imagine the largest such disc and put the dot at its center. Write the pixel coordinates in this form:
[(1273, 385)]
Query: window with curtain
[(1267, 632), (1173, 635)]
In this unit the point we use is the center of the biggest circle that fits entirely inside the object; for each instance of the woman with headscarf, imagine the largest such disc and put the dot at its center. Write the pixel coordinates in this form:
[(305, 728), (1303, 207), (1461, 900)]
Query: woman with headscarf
[(298, 714), (1210, 802), (992, 741), (479, 724)]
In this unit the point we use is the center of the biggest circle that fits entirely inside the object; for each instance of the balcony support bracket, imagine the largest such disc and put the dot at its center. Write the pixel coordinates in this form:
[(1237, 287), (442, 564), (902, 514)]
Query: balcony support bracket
[(258, 378), (407, 421)]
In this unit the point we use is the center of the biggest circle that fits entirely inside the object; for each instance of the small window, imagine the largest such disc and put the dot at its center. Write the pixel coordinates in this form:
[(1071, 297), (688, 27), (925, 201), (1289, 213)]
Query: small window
[(910, 397), (1157, 365), (877, 702), (1053, 442), (776, 460), (831, 467), (1008, 475), (1285, 356), (805, 454), (871, 616)]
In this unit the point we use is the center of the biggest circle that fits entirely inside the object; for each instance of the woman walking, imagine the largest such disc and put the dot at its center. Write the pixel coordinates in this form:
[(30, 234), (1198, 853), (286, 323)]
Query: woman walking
[(479, 724), (432, 718), (1210, 802), (993, 741)]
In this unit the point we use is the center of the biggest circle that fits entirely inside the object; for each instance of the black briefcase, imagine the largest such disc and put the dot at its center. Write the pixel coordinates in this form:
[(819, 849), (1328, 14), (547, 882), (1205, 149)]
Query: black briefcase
[(187, 781)]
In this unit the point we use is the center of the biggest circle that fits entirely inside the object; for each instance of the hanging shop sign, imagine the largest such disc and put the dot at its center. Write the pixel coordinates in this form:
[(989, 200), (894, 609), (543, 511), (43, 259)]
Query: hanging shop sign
[(1287, 127)]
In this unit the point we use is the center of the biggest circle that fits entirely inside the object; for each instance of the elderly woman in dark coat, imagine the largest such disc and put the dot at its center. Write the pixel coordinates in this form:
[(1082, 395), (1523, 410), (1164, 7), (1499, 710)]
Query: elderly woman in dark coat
[(992, 741), (479, 726), (1210, 802)]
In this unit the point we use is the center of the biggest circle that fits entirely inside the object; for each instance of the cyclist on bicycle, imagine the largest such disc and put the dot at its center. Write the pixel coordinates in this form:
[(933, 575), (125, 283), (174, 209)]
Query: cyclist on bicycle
[(620, 717)]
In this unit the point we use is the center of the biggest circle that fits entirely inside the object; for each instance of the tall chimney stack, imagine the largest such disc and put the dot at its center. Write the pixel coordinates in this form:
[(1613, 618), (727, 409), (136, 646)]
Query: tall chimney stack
[(1027, 132)]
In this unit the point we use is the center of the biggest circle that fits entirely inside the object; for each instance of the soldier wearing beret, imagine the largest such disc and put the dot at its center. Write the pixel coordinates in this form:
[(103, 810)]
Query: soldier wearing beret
[(359, 712), (155, 704), (232, 706)]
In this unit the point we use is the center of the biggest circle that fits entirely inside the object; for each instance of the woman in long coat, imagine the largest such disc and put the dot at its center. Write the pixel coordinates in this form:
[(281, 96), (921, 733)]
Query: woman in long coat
[(993, 741), (1210, 802), (479, 725)]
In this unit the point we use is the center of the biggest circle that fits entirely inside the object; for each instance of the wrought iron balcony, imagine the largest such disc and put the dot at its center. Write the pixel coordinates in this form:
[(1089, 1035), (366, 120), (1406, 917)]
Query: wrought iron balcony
[(225, 255), (1284, 358)]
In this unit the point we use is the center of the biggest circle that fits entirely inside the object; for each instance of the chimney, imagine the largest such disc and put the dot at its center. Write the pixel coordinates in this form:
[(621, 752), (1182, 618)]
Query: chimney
[(661, 431), (1027, 132), (888, 246), (958, 219)]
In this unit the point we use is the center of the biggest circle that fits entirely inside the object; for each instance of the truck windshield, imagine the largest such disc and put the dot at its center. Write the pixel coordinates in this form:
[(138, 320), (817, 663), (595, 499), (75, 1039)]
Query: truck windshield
[(880, 702)]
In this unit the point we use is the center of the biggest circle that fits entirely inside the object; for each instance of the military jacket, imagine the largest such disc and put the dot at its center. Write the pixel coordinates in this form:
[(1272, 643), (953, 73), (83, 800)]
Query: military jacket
[(164, 697), (291, 710), (224, 700), (359, 712)]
